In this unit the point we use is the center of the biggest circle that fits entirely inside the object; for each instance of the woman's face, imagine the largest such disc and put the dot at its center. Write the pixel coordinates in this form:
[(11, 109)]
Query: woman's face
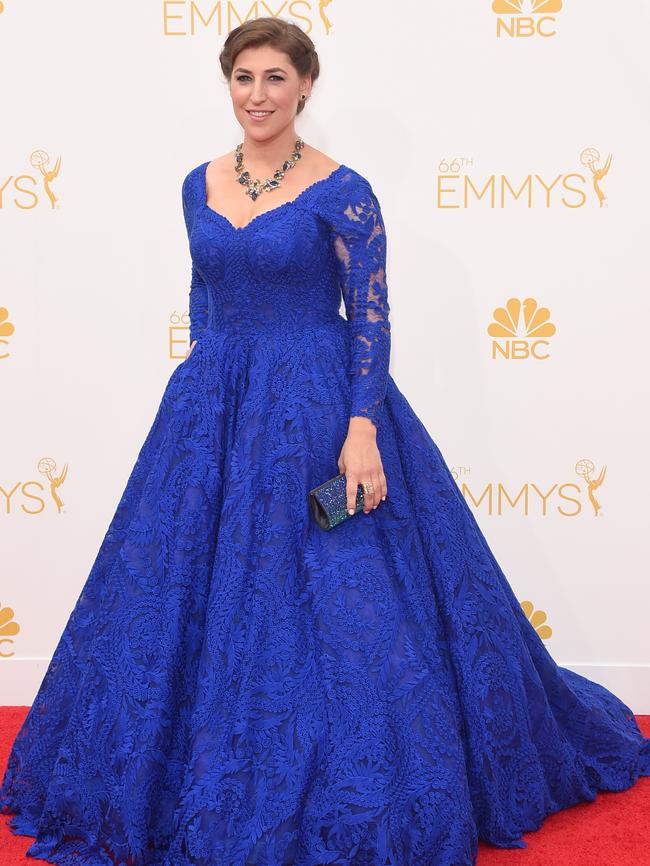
[(264, 79)]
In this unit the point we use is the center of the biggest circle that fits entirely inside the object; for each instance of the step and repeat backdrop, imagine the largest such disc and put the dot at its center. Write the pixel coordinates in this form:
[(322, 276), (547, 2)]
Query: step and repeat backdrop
[(506, 143)]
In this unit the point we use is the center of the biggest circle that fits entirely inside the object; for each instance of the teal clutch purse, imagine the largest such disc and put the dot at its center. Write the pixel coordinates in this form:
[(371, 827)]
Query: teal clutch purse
[(328, 502)]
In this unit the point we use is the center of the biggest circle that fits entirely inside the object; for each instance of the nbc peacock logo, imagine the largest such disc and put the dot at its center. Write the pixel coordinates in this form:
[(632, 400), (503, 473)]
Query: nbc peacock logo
[(521, 331), (9, 628), (537, 619), (6, 330), (182, 18), (178, 334), (525, 18)]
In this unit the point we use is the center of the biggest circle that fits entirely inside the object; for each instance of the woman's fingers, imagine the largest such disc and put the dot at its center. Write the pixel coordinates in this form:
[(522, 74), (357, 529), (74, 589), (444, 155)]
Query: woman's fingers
[(379, 490), (376, 484), (351, 482), (383, 484), (371, 499), (374, 478)]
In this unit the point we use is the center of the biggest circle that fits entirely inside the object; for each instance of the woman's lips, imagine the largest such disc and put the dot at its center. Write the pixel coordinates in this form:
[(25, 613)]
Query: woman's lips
[(267, 114)]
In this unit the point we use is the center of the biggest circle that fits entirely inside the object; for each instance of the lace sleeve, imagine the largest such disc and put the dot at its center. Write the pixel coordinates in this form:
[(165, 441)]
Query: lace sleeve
[(359, 240), (198, 300)]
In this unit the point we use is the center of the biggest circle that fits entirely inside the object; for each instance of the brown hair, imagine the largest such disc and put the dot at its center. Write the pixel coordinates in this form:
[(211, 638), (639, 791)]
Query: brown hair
[(280, 34)]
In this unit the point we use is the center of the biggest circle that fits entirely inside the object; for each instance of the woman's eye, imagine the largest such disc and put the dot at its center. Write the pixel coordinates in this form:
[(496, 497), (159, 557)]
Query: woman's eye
[(241, 77)]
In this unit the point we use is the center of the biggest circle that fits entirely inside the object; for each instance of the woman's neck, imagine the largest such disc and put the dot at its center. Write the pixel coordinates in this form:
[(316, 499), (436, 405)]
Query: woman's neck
[(264, 157)]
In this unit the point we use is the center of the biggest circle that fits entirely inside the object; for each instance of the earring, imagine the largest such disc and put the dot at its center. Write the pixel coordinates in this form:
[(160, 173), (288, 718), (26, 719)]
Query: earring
[(303, 96)]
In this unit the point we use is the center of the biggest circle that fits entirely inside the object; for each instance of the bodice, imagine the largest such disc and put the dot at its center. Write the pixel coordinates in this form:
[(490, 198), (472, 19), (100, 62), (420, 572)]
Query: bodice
[(292, 265)]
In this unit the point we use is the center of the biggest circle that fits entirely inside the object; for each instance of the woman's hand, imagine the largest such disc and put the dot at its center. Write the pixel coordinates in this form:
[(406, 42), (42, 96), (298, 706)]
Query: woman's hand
[(360, 461), (189, 351)]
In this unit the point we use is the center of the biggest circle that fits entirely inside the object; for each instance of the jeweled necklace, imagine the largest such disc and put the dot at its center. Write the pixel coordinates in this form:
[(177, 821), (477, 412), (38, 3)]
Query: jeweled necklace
[(256, 187)]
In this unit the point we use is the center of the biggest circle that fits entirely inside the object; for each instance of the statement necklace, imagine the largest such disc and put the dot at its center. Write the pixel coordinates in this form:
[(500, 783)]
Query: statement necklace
[(256, 187)]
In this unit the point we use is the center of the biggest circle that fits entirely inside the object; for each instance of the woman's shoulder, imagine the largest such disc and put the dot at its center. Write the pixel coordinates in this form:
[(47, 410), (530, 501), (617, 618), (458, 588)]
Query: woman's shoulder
[(348, 205), (351, 178), (193, 183), (346, 194)]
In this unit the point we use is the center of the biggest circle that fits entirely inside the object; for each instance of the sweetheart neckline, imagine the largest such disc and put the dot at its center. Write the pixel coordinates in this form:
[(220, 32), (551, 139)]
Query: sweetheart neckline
[(264, 212)]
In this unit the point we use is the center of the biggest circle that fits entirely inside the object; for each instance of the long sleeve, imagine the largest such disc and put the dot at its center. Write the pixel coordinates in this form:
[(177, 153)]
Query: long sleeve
[(198, 297), (359, 241)]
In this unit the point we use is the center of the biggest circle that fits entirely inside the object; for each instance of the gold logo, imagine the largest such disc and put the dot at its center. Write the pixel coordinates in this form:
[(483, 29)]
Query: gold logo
[(521, 327), (537, 619), (6, 330), (589, 157), (457, 188), (177, 334), (518, 7), (39, 159), (8, 627), (585, 469), (526, 17), (327, 24), (32, 489), (182, 18), (46, 466), (565, 498)]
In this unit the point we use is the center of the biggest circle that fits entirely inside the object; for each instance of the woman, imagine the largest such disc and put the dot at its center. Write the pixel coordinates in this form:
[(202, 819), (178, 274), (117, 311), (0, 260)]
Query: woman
[(238, 686)]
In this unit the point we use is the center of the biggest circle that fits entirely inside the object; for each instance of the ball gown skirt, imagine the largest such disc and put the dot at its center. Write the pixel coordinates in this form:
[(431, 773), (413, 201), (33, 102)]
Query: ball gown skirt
[(236, 686)]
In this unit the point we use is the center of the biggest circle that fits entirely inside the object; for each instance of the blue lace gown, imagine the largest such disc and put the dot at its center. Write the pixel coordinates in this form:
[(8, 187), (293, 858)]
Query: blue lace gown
[(238, 687)]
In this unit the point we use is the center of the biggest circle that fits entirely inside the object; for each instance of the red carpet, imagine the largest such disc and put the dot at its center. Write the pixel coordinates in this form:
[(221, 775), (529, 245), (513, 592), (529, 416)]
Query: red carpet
[(613, 830)]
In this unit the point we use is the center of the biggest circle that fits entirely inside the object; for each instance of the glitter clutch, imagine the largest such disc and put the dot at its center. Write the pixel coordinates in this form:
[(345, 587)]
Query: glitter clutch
[(328, 502)]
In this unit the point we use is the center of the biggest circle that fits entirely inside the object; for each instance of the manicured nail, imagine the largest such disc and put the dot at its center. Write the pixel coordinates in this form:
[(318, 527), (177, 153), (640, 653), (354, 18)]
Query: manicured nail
[(382, 498), (350, 510)]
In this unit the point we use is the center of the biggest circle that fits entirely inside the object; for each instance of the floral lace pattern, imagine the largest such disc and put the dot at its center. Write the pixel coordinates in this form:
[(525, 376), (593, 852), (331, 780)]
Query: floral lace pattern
[(235, 686)]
